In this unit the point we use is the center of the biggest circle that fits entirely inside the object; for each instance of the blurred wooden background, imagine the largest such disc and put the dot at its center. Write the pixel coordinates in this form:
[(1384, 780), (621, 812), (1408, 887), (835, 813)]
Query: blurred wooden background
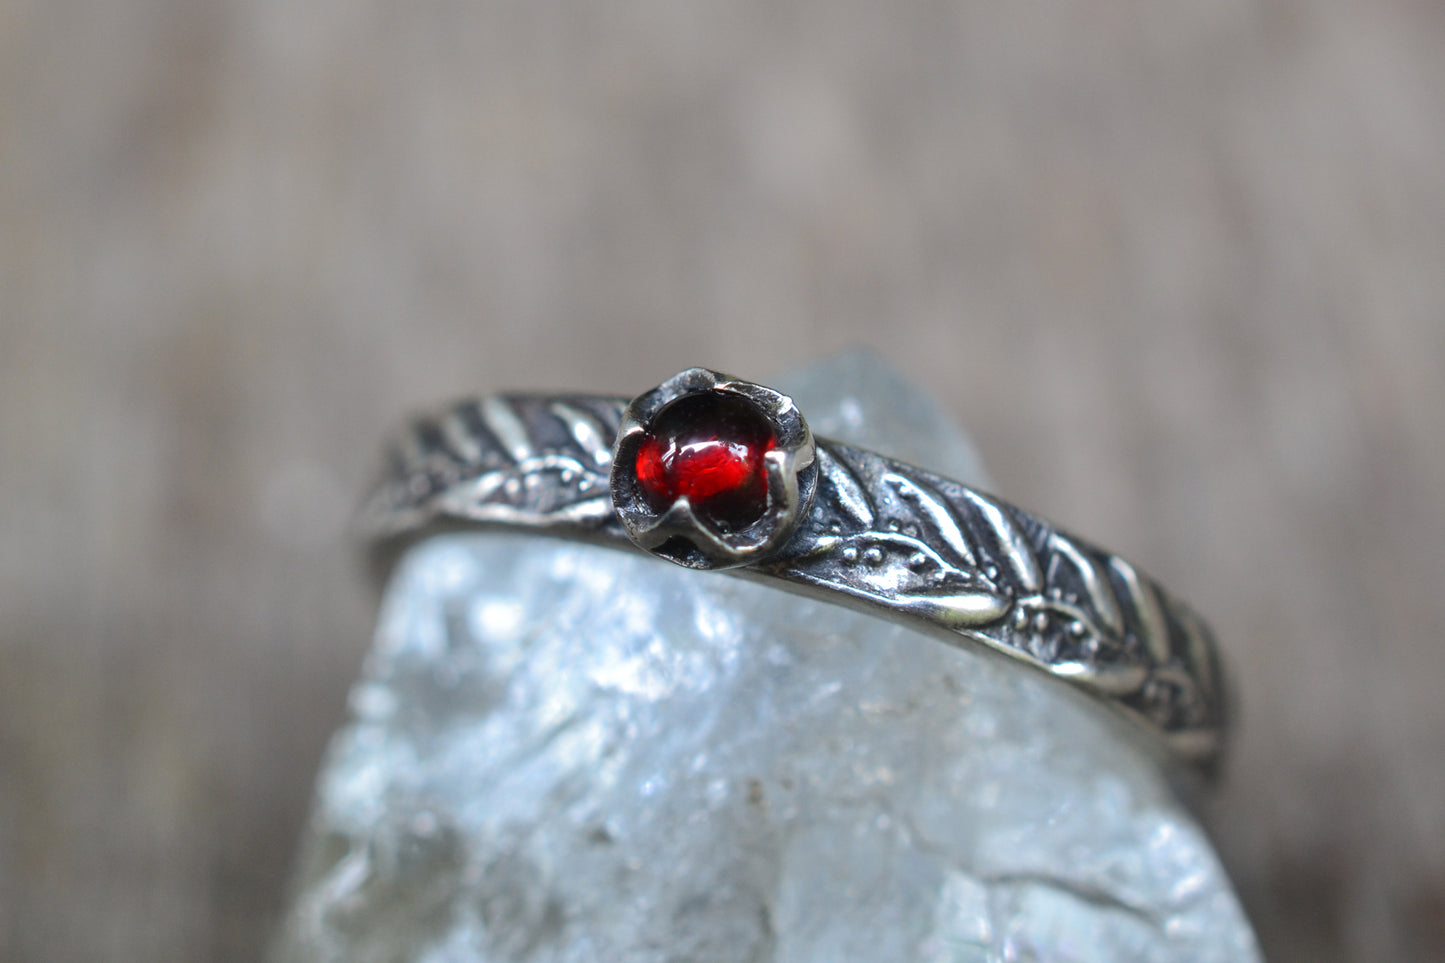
[(1180, 266)]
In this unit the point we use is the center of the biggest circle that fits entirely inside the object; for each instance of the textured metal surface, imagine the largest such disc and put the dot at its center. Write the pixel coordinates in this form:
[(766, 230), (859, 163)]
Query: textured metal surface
[(879, 533)]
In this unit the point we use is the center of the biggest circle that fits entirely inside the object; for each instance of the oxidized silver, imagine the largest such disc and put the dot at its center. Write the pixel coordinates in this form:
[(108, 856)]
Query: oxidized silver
[(843, 523)]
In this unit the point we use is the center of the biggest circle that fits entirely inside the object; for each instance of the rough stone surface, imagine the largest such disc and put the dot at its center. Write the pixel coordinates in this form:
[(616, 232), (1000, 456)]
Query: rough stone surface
[(566, 753)]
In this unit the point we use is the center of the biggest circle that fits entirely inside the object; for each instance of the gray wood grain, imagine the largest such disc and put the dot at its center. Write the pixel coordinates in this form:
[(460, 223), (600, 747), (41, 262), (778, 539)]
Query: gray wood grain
[(1178, 265)]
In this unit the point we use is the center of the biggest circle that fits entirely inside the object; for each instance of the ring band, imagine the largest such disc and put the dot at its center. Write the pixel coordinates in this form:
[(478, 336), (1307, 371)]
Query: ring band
[(710, 471)]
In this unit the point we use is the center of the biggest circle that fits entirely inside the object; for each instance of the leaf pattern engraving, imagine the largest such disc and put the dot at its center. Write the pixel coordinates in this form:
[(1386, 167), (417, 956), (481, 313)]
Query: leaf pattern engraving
[(890, 537), (881, 532), (1100, 596), (1013, 546), (512, 460), (843, 489), (934, 549), (931, 506)]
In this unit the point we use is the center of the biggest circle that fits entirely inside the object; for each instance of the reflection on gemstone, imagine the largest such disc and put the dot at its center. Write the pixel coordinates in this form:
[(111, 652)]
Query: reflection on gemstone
[(708, 447)]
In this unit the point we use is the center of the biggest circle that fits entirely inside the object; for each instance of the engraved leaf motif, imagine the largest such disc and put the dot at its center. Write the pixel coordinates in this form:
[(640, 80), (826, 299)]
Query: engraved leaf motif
[(585, 430), (501, 419), (1145, 600), (1015, 548), (459, 437), (1095, 583), (936, 511), (848, 492)]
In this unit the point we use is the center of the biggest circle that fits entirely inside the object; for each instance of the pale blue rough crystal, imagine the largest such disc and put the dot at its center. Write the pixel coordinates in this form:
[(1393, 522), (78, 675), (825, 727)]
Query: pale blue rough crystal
[(567, 753)]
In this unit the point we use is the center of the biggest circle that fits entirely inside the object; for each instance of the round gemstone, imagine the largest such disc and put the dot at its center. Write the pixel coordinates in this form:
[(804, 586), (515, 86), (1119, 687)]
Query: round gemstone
[(708, 447)]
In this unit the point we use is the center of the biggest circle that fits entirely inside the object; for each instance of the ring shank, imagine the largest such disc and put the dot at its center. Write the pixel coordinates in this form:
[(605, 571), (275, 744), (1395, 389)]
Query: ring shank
[(879, 534)]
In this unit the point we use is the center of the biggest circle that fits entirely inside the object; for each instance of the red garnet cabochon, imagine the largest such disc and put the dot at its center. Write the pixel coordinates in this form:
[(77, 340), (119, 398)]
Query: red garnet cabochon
[(709, 447)]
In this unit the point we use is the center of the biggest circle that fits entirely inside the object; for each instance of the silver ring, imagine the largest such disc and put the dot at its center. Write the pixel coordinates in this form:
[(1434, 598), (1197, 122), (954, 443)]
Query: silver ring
[(713, 472)]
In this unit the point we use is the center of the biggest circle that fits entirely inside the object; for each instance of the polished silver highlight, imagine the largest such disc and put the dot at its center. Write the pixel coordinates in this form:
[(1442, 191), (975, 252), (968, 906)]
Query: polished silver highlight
[(866, 529)]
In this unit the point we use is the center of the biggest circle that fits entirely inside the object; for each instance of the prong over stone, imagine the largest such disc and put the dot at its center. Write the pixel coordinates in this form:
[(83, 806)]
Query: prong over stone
[(710, 471)]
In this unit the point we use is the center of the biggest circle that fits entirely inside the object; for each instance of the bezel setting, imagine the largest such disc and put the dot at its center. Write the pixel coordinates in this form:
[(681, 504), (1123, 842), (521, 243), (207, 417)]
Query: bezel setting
[(678, 531)]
